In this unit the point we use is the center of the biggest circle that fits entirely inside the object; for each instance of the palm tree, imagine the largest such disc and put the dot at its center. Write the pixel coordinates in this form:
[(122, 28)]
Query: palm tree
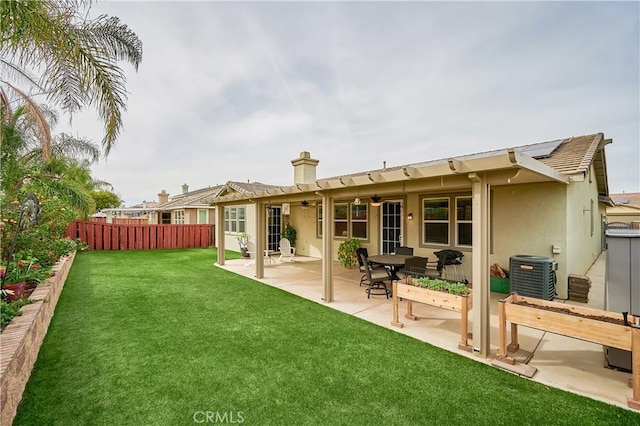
[(53, 49), (64, 173)]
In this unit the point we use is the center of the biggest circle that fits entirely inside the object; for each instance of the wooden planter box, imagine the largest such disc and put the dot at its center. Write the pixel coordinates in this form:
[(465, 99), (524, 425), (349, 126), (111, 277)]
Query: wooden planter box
[(451, 302), (571, 324)]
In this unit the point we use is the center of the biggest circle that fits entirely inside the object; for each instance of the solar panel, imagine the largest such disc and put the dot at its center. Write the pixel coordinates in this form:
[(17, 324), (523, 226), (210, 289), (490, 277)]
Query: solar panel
[(541, 150)]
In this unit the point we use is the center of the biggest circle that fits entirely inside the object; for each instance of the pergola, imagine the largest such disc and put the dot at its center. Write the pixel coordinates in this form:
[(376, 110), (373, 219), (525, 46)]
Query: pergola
[(478, 172)]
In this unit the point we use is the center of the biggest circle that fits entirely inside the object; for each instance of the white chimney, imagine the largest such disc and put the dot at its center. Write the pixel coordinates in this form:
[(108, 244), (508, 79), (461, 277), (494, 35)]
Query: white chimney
[(304, 168), (185, 188)]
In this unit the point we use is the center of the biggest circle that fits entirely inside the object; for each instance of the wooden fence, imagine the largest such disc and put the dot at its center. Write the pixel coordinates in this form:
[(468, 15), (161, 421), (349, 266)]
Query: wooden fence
[(130, 221), (108, 236)]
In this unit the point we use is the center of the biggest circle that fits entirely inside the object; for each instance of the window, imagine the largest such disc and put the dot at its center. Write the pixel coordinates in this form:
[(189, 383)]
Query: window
[(350, 220), (341, 220), (319, 230), (234, 219), (440, 227), (464, 221), (359, 221), (203, 216), (435, 215), (178, 217)]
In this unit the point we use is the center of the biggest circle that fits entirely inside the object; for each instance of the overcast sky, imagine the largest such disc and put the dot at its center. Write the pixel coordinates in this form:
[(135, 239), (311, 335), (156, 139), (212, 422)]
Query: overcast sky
[(235, 91)]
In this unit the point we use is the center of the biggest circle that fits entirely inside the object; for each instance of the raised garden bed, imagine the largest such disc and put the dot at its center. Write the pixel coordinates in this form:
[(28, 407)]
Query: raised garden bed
[(592, 325), (462, 303), (20, 341)]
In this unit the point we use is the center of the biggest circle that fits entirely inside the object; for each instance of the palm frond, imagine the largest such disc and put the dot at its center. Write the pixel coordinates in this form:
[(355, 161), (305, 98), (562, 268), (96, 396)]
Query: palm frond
[(36, 120)]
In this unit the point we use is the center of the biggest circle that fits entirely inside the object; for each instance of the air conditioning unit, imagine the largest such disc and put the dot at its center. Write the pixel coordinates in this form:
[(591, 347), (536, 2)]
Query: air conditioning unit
[(533, 276)]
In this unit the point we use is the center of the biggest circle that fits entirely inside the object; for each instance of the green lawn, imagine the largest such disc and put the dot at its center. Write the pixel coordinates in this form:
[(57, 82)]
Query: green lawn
[(164, 337)]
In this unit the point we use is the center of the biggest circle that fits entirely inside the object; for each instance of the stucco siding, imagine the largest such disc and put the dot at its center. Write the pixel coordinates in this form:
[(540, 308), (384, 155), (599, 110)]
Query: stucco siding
[(584, 225), (530, 219), (304, 221)]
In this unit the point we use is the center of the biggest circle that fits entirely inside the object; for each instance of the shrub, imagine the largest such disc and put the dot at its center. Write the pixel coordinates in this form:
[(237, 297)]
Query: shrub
[(10, 310), (290, 234), (347, 252)]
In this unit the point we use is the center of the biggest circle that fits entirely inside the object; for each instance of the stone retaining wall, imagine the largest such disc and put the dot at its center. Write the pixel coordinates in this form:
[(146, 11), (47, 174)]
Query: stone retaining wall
[(21, 340)]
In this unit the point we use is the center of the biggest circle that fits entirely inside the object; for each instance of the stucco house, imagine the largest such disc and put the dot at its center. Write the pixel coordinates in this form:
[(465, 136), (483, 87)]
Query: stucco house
[(546, 199), (625, 208), (240, 218), (187, 208)]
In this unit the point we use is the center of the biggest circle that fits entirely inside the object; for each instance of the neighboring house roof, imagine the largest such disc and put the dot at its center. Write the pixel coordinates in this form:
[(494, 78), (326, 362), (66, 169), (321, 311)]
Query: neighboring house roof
[(627, 199), (146, 204), (194, 199), (249, 186), (241, 188)]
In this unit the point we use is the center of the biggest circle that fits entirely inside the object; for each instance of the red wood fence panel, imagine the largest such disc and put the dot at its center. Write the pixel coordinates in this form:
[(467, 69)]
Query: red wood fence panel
[(110, 236)]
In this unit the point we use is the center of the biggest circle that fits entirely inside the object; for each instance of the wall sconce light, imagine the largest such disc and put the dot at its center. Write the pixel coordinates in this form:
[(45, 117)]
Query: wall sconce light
[(376, 201), (304, 204), (410, 216)]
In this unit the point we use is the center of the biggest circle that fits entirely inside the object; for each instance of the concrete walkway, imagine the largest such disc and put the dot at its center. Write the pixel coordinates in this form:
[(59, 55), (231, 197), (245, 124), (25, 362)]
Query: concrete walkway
[(562, 362)]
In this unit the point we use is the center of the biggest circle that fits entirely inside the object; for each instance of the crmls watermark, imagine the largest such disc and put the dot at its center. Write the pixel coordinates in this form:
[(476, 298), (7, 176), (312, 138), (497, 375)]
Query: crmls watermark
[(218, 417)]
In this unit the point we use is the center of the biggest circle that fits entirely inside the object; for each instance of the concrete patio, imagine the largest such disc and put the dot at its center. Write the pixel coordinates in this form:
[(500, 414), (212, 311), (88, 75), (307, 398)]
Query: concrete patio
[(562, 362)]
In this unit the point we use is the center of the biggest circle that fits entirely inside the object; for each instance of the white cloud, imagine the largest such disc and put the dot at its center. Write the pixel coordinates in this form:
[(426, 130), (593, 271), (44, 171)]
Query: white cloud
[(234, 91)]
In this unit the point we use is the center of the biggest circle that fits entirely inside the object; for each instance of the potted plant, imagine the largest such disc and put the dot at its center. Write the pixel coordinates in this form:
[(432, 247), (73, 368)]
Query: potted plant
[(290, 234), (17, 275), (243, 242), (347, 252)]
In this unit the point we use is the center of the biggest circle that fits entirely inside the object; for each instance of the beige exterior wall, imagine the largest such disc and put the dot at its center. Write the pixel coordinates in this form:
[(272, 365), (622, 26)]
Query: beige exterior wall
[(584, 226), (304, 221), (530, 219), (190, 216)]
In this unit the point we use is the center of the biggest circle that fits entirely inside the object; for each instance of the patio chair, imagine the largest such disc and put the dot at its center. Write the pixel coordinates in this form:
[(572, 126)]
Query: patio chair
[(286, 251), (403, 250), (365, 264), (376, 279), (415, 266)]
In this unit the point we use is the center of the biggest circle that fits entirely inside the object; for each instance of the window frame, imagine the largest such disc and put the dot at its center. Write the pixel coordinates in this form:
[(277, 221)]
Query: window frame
[(365, 221), (344, 220), (319, 220), (453, 227), (235, 217), (425, 221), (459, 222), (178, 217), (349, 221), (206, 216)]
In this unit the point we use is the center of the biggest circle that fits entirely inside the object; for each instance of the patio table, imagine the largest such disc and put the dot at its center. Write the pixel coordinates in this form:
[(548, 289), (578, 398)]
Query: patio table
[(394, 261)]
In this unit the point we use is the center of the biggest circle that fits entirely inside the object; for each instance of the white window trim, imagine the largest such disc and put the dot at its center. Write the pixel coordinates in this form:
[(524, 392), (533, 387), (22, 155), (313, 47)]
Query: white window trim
[(178, 217), (228, 220)]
